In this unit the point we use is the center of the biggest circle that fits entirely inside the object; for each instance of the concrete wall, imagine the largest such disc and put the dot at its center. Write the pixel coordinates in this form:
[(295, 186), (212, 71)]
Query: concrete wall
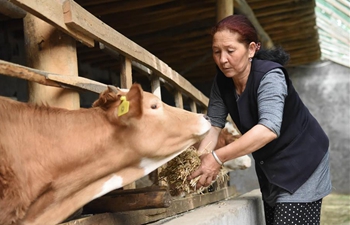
[(325, 89), (243, 210)]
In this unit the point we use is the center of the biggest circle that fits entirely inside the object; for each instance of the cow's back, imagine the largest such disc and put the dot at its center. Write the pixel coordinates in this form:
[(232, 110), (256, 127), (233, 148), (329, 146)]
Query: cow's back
[(14, 200)]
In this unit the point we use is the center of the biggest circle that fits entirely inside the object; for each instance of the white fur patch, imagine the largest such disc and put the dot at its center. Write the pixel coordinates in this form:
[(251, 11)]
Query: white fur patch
[(241, 163), (113, 183), (230, 128), (151, 164)]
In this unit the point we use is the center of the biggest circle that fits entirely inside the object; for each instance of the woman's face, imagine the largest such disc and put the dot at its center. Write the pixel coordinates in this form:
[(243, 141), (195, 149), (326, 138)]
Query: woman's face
[(231, 56)]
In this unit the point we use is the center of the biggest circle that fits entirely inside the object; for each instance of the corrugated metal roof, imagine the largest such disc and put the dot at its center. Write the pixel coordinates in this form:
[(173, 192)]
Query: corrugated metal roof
[(333, 22)]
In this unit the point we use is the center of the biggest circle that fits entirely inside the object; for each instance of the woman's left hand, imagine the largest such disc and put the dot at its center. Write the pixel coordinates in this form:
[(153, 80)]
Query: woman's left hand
[(208, 170)]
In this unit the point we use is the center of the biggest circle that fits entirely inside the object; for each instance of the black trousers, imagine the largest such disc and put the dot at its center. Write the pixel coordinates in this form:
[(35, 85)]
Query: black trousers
[(287, 213)]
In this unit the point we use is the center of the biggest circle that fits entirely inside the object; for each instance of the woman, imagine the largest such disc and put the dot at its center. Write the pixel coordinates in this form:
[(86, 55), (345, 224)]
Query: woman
[(289, 146)]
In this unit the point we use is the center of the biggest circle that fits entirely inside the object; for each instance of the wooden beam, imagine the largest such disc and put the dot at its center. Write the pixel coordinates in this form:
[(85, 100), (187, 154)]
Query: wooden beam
[(52, 13), (50, 79), (78, 18), (178, 100), (132, 199), (178, 205), (125, 72), (193, 106)]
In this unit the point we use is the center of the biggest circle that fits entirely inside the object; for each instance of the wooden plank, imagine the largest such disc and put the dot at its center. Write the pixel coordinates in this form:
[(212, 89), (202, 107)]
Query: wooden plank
[(178, 100), (22, 72), (78, 18), (125, 72), (179, 205), (193, 106), (80, 82), (50, 79), (132, 199), (52, 13)]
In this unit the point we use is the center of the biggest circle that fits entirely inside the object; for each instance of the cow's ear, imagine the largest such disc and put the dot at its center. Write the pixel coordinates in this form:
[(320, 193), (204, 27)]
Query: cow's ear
[(130, 105), (107, 98)]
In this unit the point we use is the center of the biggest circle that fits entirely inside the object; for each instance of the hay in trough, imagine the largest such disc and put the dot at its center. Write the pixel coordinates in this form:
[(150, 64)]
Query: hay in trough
[(176, 171)]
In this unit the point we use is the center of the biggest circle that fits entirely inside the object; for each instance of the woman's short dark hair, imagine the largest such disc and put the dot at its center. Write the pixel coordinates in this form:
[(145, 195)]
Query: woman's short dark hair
[(248, 34), (239, 24)]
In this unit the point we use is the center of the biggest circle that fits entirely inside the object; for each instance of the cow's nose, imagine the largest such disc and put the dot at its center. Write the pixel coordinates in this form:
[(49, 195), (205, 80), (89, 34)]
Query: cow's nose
[(206, 117)]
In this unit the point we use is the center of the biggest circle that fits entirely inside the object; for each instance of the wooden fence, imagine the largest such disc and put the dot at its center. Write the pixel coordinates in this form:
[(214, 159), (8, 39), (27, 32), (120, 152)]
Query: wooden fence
[(70, 18)]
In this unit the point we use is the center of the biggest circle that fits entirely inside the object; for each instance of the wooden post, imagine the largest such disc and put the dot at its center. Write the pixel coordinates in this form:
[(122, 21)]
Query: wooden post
[(224, 8), (125, 72), (50, 50), (155, 86), (128, 200), (178, 99), (193, 106)]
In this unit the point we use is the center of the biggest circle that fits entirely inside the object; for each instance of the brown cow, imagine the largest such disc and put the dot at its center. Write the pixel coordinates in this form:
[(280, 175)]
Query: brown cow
[(53, 161)]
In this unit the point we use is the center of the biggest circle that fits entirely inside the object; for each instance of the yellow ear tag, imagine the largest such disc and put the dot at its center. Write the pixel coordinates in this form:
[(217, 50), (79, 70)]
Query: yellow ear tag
[(123, 107)]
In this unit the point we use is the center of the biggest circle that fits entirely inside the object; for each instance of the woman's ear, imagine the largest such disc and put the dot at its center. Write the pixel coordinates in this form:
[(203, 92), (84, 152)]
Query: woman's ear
[(252, 49)]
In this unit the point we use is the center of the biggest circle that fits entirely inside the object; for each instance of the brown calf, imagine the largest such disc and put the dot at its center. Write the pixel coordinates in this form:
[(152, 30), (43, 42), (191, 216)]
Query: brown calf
[(53, 161)]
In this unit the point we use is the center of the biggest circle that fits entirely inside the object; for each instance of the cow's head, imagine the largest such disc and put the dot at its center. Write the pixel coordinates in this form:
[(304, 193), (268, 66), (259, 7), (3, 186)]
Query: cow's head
[(155, 132), (159, 129)]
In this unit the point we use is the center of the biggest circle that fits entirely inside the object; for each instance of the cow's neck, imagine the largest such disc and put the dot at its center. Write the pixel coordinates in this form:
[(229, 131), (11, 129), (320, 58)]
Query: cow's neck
[(70, 169)]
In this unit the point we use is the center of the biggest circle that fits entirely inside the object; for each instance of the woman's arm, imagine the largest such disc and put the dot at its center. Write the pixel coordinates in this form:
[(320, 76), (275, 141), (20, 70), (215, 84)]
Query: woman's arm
[(209, 142), (254, 139)]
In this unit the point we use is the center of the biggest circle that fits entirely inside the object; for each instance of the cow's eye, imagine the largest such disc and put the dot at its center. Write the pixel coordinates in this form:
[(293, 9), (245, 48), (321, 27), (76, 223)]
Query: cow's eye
[(154, 106)]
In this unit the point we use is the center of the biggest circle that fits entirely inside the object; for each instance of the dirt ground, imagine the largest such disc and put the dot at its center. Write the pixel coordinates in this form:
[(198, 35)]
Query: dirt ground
[(336, 210)]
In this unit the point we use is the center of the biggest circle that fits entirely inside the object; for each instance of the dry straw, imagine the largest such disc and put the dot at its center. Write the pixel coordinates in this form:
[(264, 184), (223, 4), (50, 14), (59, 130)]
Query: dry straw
[(176, 172)]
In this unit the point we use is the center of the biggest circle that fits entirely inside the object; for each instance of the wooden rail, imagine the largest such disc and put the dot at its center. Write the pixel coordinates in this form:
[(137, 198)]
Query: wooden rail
[(81, 25), (74, 20)]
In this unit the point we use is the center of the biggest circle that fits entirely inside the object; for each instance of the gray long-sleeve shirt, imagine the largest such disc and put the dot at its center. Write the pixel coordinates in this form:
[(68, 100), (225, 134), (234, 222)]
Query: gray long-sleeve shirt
[(271, 95)]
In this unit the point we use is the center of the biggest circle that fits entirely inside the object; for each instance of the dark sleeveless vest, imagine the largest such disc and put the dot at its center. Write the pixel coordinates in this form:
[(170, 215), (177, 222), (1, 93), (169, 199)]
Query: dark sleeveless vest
[(289, 160)]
